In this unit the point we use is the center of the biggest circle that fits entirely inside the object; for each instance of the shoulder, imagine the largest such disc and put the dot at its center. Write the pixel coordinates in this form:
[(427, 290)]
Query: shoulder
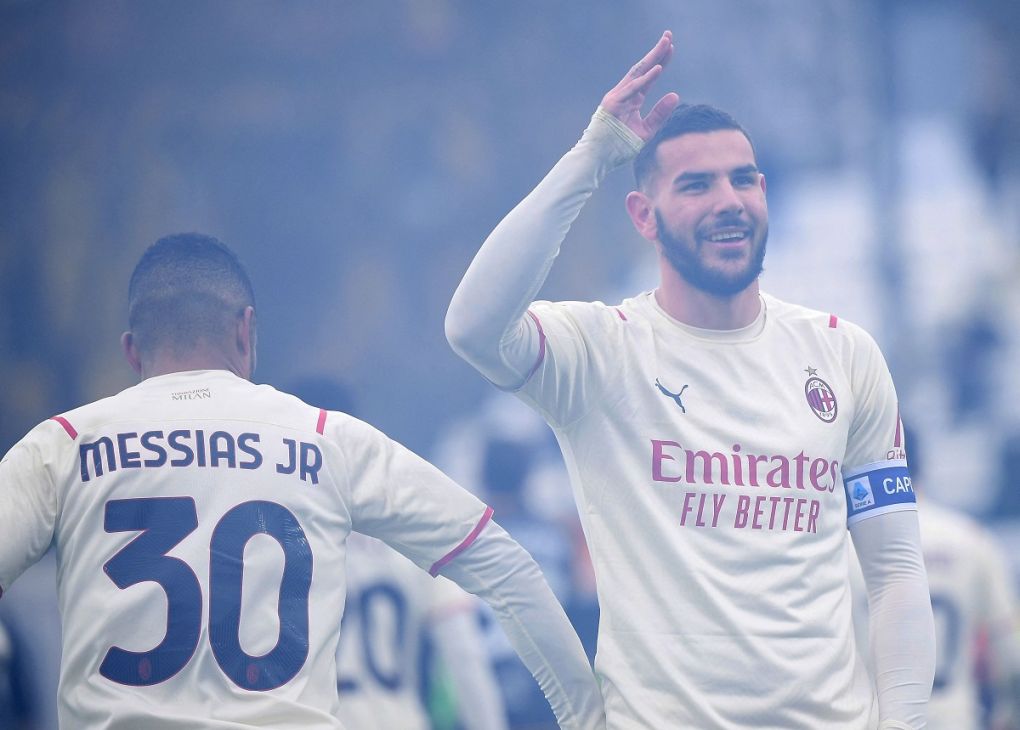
[(828, 325), (590, 315), (941, 523)]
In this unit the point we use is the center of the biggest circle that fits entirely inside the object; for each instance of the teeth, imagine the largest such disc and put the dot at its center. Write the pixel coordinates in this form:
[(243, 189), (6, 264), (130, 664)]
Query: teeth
[(731, 236)]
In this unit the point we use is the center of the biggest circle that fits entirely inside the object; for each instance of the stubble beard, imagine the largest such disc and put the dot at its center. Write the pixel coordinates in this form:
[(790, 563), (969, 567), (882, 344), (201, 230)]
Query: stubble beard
[(684, 256)]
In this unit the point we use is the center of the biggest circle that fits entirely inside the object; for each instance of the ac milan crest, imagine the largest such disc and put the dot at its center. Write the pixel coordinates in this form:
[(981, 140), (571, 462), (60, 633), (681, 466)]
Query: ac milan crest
[(821, 398)]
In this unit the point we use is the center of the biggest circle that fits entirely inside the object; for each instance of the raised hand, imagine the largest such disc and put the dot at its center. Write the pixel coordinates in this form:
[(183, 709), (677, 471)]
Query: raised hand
[(624, 101)]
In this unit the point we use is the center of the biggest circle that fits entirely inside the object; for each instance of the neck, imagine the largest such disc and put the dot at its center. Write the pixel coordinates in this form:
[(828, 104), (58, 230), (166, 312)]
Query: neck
[(166, 364), (697, 308)]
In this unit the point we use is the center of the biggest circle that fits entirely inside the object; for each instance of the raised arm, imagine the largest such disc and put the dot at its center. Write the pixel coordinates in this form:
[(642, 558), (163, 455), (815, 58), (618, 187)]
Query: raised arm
[(487, 323)]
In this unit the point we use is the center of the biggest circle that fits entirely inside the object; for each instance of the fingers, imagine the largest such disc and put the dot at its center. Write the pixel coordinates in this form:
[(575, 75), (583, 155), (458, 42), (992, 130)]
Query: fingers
[(661, 111), (660, 54), (640, 84)]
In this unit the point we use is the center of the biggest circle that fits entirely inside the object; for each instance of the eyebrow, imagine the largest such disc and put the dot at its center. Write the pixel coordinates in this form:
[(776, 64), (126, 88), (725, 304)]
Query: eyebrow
[(702, 176)]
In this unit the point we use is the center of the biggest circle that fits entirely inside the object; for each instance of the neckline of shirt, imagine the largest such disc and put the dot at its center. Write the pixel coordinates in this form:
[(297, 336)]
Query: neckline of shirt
[(743, 334), (188, 375)]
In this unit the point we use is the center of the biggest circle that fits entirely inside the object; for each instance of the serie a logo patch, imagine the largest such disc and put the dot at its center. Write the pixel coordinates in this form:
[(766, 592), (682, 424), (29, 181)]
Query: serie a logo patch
[(860, 493)]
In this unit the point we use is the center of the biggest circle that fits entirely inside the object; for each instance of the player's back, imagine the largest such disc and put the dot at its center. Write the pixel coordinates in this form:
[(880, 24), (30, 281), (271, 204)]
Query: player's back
[(966, 596), (390, 604), (200, 535)]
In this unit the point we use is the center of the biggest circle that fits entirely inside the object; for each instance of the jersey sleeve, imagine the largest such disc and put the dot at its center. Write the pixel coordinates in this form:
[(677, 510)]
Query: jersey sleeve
[(875, 473), (488, 322), (998, 600), (571, 369), (28, 506), (401, 499)]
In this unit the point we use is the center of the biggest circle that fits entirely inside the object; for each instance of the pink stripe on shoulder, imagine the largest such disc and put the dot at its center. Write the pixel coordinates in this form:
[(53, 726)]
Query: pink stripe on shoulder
[(464, 545), (833, 320), (622, 315), (67, 426), (541, 345), (321, 425)]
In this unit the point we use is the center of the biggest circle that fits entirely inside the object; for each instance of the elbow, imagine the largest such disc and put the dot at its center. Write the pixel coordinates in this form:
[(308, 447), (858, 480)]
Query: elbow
[(458, 333), (466, 334)]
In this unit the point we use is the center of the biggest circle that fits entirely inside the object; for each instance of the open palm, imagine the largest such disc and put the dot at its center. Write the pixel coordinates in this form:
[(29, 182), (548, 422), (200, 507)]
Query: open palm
[(624, 101)]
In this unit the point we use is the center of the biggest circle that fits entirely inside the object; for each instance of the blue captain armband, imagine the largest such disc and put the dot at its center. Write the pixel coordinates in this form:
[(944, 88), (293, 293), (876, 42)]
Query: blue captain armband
[(877, 488)]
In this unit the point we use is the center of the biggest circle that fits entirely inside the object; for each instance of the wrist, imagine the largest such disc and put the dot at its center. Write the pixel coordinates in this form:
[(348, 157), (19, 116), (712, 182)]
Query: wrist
[(619, 143)]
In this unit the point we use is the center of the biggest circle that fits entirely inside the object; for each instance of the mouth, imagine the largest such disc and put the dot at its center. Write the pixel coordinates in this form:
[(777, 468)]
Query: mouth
[(729, 236)]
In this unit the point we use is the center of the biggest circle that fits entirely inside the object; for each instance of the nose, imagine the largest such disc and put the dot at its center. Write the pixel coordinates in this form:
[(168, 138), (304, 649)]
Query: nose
[(727, 200)]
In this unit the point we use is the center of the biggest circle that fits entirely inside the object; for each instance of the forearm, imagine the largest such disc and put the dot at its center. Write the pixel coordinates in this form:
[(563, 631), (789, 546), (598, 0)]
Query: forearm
[(901, 624), (486, 322), (499, 571)]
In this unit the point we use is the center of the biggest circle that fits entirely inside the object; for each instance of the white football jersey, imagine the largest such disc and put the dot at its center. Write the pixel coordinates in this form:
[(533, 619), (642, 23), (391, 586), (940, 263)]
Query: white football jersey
[(715, 474), (390, 603), (200, 523), (971, 592)]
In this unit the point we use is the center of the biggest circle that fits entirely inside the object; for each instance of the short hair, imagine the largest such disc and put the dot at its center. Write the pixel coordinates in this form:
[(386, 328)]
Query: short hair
[(187, 288), (685, 119)]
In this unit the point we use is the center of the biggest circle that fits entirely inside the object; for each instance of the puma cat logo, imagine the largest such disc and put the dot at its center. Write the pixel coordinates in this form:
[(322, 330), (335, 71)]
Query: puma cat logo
[(674, 396)]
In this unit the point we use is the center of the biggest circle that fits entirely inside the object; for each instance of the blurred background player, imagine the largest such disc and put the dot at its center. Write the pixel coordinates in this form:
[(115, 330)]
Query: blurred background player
[(977, 634), (400, 624)]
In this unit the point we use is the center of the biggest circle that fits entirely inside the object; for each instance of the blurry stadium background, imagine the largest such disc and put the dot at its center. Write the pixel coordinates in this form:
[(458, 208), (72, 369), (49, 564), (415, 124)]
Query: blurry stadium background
[(356, 154)]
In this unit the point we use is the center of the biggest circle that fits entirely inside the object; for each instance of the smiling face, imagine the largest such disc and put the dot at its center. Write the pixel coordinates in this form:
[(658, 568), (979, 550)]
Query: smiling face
[(710, 221)]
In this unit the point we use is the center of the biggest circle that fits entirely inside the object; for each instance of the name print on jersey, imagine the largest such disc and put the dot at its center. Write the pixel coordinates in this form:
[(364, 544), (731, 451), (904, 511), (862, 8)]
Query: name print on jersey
[(184, 447)]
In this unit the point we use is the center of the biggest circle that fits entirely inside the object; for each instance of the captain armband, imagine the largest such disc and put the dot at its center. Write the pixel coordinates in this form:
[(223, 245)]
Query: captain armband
[(877, 488)]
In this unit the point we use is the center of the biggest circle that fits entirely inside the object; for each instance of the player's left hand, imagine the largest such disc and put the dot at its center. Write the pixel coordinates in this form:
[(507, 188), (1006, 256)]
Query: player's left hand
[(624, 101)]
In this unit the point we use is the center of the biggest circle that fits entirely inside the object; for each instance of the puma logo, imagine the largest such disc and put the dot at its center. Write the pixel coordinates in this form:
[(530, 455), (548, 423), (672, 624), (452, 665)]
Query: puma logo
[(674, 396)]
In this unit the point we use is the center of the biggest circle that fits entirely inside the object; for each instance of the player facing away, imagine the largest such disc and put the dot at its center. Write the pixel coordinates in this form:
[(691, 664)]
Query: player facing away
[(392, 606), (200, 523), (722, 445)]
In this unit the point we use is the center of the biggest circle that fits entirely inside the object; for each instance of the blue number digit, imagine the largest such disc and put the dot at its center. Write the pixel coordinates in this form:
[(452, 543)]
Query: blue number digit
[(164, 522), (371, 596), (947, 627), (226, 571)]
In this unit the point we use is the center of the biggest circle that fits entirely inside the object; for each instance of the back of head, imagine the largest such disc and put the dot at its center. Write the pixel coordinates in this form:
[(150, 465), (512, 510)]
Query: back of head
[(685, 119), (185, 293)]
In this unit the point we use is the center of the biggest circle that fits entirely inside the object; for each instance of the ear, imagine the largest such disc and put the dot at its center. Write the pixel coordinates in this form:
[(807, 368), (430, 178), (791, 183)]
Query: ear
[(134, 358), (246, 338), (761, 178), (642, 215)]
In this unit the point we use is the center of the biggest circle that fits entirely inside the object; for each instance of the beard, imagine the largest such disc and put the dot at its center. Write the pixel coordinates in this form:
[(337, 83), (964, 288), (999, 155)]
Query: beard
[(684, 256)]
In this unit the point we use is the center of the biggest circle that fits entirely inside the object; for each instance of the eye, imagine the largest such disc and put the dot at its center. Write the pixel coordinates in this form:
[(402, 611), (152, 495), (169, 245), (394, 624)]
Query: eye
[(745, 180), (694, 187)]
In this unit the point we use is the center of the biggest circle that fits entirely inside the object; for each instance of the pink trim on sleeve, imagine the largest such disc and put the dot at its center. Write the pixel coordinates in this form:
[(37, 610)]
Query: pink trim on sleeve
[(898, 438), (321, 425), (541, 345), (622, 315), (464, 545), (67, 426), (833, 320)]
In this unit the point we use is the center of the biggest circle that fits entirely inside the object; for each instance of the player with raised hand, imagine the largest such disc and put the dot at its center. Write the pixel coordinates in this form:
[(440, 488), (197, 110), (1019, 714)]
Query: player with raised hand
[(723, 445), (201, 522)]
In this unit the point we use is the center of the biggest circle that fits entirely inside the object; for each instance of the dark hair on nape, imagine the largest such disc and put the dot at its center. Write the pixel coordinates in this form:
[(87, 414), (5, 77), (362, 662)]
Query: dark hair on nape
[(685, 119), (187, 288)]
